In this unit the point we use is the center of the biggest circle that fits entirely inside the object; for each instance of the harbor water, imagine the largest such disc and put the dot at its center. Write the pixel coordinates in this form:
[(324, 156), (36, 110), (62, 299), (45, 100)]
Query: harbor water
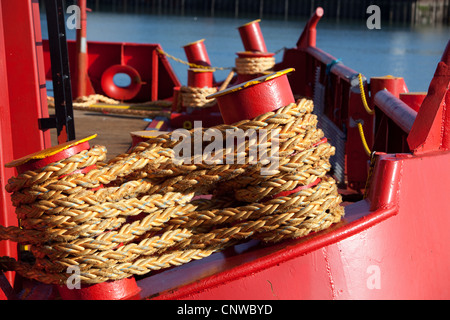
[(411, 52)]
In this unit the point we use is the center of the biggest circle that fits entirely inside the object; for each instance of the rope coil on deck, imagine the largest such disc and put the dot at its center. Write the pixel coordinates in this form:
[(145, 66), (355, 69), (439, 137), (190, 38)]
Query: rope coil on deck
[(90, 103), (145, 216)]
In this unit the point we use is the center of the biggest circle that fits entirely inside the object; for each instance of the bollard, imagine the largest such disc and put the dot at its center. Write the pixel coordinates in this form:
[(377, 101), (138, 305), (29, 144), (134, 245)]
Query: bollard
[(45, 157), (200, 78), (252, 37), (255, 61), (110, 290), (255, 97), (243, 77), (196, 53), (395, 85), (413, 99)]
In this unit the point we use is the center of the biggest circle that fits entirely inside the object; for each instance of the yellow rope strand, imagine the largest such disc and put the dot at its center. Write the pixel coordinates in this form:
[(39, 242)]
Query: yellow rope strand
[(192, 65), (363, 138), (363, 95)]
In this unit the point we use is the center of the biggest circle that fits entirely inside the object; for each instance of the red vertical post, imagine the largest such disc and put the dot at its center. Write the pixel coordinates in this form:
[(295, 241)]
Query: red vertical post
[(25, 75), (252, 37), (431, 129), (23, 98), (196, 53), (81, 44), (155, 72), (7, 216), (395, 85), (308, 36), (200, 78)]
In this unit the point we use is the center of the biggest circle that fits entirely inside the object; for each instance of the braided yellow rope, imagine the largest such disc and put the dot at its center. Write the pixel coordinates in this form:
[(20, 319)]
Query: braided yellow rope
[(363, 96), (363, 138), (196, 97), (192, 65), (254, 65), (89, 103), (144, 218)]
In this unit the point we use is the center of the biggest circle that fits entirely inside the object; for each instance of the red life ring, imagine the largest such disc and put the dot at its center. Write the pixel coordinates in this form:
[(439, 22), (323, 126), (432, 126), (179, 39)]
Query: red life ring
[(121, 93)]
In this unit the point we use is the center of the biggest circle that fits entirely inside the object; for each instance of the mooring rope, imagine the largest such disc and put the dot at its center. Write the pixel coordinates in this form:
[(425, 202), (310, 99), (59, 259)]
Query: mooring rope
[(90, 103), (137, 212), (254, 65), (196, 97)]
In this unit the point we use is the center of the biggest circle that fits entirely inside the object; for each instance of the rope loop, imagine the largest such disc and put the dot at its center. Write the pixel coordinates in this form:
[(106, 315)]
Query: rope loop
[(141, 210), (254, 65), (196, 97)]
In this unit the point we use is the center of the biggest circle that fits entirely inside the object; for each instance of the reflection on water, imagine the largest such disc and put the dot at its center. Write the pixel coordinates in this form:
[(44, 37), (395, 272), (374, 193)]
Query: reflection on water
[(401, 51)]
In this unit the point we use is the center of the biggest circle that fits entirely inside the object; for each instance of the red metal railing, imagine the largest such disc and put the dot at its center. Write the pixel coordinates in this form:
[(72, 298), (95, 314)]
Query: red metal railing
[(336, 90), (321, 76), (394, 120)]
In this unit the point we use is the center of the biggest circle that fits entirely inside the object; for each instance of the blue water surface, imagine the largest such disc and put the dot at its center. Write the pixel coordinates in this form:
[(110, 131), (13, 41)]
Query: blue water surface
[(411, 52)]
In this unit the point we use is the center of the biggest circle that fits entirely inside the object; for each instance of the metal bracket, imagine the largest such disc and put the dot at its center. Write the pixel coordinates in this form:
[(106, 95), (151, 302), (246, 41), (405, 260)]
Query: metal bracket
[(47, 123), (63, 121)]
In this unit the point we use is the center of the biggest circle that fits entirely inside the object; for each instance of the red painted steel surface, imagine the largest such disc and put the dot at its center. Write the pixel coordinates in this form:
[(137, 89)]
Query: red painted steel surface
[(39, 163), (83, 84), (196, 53), (430, 131), (7, 215), (395, 85), (158, 77), (382, 249), (413, 99), (252, 37), (308, 36), (25, 75), (111, 290), (23, 98), (253, 98), (186, 120), (200, 78), (121, 93), (391, 245), (356, 158)]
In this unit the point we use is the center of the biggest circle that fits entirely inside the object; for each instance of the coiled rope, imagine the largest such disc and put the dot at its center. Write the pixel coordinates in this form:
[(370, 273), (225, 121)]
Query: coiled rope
[(254, 65), (89, 103), (145, 216), (196, 97)]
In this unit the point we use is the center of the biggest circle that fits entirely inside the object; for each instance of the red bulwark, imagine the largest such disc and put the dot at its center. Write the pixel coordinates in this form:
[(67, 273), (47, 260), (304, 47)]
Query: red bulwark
[(23, 96)]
